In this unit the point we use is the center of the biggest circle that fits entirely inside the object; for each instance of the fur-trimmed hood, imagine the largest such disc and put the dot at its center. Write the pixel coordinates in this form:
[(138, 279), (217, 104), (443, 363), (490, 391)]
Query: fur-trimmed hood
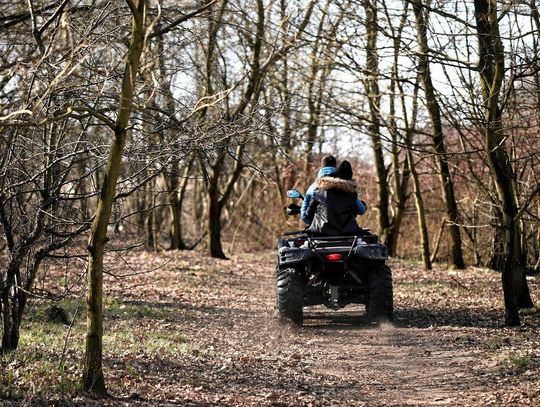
[(337, 183)]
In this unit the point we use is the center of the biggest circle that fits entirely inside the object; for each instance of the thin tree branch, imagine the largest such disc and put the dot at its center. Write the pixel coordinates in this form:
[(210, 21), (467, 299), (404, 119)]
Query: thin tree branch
[(181, 20), (54, 16)]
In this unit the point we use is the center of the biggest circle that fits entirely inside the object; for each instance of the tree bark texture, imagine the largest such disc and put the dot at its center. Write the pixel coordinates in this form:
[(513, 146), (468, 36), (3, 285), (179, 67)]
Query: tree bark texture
[(374, 98), (491, 68), (93, 379)]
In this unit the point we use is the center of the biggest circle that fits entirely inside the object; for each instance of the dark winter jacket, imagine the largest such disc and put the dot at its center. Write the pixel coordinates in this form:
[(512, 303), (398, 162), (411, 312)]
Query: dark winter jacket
[(333, 208)]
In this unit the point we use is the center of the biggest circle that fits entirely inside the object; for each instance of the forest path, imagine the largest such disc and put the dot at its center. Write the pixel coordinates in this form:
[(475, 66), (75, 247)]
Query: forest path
[(231, 350)]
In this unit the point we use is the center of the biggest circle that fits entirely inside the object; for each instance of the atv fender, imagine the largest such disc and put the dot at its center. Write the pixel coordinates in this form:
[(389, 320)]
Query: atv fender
[(375, 251), (290, 256)]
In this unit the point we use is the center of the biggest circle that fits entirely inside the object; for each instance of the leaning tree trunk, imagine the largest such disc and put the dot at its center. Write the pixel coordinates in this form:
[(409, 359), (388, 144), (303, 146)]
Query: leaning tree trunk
[(438, 139), (491, 68), (93, 379)]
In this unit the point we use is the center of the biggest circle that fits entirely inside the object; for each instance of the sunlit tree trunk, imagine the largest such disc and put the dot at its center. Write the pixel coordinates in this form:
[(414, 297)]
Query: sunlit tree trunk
[(93, 379), (420, 211), (175, 210), (491, 68)]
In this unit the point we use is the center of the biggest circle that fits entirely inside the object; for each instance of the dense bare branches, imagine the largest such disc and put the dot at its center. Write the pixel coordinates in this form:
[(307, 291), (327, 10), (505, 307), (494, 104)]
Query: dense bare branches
[(235, 99)]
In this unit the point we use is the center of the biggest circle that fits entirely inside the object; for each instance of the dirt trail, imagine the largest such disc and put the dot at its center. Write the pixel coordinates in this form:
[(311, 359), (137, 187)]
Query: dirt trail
[(397, 366), (238, 354)]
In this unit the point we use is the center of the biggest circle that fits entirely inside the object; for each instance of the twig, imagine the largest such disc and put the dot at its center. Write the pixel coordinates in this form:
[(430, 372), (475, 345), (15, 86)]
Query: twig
[(462, 285)]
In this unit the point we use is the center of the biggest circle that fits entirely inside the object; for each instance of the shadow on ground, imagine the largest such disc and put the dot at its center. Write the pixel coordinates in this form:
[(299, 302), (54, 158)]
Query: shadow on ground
[(405, 318), (456, 317)]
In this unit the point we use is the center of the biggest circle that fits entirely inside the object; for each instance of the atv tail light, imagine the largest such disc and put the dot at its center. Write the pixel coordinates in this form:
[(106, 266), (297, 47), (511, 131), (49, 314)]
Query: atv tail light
[(334, 257)]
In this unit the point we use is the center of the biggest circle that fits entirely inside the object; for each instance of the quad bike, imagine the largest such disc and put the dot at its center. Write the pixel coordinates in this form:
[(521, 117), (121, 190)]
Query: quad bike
[(333, 271)]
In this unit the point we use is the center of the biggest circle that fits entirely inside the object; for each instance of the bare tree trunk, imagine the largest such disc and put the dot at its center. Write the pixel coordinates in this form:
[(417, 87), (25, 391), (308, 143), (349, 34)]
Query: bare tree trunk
[(418, 199), (150, 226), (175, 209), (214, 222), (498, 251), (177, 193), (93, 379), (438, 139), (491, 68), (401, 178), (374, 98), (420, 212), (10, 308), (315, 82), (286, 142), (218, 199), (250, 96), (13, 291)]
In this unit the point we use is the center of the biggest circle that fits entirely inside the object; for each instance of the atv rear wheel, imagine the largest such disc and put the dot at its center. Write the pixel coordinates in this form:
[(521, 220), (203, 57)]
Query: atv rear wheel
[(380, 305), (289, 296)]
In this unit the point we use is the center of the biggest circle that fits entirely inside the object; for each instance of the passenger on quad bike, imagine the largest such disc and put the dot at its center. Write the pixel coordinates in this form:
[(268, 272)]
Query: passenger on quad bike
[(328, 168), (333, 207)]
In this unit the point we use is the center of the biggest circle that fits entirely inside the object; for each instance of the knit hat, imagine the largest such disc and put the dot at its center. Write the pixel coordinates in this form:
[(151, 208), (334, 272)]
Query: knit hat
[(344, 170)]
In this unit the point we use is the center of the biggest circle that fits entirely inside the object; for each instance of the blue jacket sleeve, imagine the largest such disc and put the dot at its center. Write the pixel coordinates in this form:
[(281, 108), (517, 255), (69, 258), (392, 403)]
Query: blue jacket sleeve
[(305, 205), (362, 208)]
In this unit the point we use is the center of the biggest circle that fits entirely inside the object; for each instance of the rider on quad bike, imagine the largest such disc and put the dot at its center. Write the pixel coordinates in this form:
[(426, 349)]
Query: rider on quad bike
[(333, 262)]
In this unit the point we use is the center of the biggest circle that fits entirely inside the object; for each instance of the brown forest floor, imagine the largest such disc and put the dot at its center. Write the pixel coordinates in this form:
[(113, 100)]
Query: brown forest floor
[(199, 331)]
